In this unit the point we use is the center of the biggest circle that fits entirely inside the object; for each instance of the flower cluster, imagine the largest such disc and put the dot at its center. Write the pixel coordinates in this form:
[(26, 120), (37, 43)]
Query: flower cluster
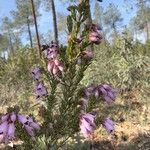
[(87, 124), (86, 55), (40, 89), (54, 65), (94, 34), (105, 91), (28, 124), (8, 127)]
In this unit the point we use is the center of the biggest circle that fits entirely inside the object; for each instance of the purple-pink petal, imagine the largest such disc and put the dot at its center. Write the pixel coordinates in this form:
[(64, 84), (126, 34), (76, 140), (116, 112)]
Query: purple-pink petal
[(4, 117), (108, 124), (30, 130), (23, 119), (11, 131), (13, 117), (36, 73)]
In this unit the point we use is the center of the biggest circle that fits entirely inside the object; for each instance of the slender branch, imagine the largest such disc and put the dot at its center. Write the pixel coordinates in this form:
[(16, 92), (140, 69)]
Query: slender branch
[(36, 28), (29, 31), (54, 22)]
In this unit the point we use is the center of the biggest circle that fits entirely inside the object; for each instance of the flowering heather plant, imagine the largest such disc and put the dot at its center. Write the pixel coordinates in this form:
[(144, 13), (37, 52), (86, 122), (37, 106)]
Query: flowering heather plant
[(9, 123), (66, 107)]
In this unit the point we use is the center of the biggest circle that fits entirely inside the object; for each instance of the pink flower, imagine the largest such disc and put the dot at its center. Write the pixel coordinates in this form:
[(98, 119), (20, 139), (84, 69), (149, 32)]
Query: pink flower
[(11, 131), (54, 66), (13, 117), (88, 54), (52, 50), (40, 90), (95, 28), (36, 73), (108, 124), (7, 128), (87, 124), (5, 117), (95, 37), (29, 124), (108, 93), (3, 132)]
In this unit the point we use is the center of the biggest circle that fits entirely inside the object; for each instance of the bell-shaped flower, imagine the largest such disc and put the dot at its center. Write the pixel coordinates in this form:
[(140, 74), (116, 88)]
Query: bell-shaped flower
[(95, 28), (54, 66), (36, 73), (108, 124), (29, 124), (40, 90), (3, 131), (108, 93), (87, 124), (51, 53), (88, 54), (7, 128), (4, 117), (11, 131), (52, 50), (13, 117), (23, 119), (95, 37), (91, 90)]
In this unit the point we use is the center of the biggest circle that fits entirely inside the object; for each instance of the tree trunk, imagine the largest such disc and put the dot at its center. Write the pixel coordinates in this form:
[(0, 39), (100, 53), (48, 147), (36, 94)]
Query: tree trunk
[(29, 32), (36, 28), (54, 21)]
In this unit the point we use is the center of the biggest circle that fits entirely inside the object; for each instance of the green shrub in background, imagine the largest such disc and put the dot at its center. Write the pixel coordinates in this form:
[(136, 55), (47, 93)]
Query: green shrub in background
[(15, 78)]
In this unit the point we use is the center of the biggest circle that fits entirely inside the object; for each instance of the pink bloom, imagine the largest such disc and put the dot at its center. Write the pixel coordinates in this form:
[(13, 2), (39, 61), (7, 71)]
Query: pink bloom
[(108, 93), (30, 130), (29, 124), (95, 37), (36, 73), (52, 50), (40, 90), (13, 117), (11, 131), (22, 119), (108, 124), (4, 117), (88, 54), (54, 66), (3, 131), (95, 28), (87, 124)]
